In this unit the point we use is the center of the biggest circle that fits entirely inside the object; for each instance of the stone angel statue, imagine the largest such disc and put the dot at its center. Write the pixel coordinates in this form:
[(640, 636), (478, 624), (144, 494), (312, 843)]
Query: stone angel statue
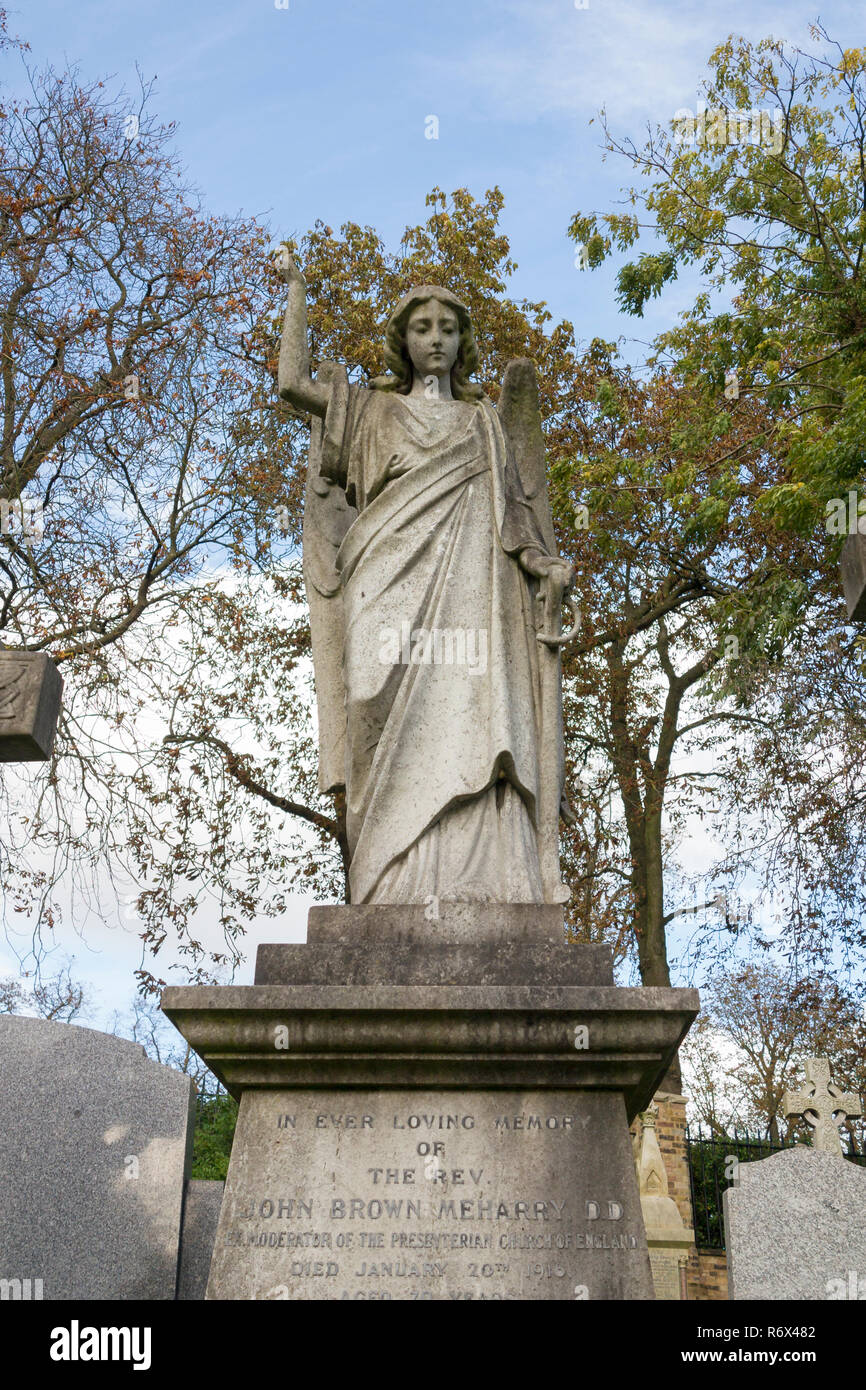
[(435, 597)]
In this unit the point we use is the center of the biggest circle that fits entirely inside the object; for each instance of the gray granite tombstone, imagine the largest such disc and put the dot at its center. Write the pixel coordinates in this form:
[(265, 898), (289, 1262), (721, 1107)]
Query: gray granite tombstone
[(201, 1211), (795, 1227), (95, 1141)]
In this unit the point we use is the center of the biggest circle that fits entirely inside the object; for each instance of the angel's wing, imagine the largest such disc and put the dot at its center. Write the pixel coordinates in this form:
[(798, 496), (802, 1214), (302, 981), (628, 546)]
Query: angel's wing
[(520, 418), (327, 518)]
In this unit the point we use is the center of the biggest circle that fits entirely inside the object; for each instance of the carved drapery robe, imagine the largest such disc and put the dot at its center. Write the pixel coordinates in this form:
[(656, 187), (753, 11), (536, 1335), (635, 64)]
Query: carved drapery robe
[(440, 658)]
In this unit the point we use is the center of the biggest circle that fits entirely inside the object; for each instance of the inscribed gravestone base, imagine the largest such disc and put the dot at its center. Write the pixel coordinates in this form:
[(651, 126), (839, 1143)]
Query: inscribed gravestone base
[(94, 1148), (795, 1227), (433, 1111), (437, 1120)]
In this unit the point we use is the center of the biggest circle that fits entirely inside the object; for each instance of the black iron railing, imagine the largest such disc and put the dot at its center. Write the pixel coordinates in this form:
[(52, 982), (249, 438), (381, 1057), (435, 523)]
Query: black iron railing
[(713, 1167)]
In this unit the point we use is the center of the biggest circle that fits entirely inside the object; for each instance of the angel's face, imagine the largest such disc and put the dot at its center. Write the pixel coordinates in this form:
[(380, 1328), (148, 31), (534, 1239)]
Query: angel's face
[(432, 338)]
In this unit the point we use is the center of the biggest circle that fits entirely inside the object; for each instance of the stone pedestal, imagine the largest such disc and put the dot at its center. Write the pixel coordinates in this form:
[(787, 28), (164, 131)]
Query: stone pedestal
[(433, 1109)]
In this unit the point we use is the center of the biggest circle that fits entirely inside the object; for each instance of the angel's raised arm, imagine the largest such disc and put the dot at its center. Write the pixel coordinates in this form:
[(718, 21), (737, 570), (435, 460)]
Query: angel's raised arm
[(294, 380)]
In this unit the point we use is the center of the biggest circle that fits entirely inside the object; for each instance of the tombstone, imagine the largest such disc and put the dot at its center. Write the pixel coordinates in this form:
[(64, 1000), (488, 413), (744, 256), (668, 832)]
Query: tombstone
[(852, 567), (201, 1211), (795, 1223), (433, 1110), (669, 1240), (96, 1139), (95, 1142), (795, 1227), (30, 690)]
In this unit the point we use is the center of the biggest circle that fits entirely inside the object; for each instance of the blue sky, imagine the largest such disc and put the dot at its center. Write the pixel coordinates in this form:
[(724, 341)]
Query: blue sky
[(318, 110)]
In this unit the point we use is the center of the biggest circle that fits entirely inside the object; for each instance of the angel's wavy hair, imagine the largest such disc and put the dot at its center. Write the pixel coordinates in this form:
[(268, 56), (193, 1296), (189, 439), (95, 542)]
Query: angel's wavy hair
[(398, 362)]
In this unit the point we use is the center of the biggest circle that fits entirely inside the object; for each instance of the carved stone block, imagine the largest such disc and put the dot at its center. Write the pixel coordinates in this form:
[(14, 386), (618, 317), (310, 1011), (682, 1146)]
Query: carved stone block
[(30, 690)]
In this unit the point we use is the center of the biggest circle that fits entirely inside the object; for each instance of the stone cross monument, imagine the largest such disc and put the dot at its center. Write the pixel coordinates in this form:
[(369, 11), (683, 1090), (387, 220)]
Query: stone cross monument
[(822, 1105), (435, 1090)]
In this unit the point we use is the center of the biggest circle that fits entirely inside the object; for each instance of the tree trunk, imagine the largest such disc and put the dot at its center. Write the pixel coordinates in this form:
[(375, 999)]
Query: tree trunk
[(644, 824)]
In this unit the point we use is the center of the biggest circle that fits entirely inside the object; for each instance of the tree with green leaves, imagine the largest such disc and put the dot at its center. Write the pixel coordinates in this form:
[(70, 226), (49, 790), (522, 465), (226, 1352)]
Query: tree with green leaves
[(765, 427), (773, 217)]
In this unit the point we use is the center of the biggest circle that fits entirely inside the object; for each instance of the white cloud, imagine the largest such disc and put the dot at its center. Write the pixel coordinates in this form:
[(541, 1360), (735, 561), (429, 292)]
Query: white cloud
[(640, 60)]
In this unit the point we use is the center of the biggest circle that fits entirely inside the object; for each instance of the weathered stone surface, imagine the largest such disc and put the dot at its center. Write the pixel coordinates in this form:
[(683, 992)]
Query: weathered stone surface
[(431, 1195), (664, 1225), (823, 1105), (795, 1227), (483, 1036), (429, 550), (201, 1210), (853, 570), (667, 1266), (94, 1144), (454, 924), (384, 962), (30, 690), (667, 1235)]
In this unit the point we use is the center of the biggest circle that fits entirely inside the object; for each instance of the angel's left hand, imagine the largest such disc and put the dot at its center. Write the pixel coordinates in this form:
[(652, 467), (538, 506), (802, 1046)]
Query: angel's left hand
[(559, 572)]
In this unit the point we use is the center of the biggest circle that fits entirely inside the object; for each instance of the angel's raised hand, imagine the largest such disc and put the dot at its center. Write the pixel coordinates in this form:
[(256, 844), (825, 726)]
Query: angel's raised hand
[(284, 264)]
